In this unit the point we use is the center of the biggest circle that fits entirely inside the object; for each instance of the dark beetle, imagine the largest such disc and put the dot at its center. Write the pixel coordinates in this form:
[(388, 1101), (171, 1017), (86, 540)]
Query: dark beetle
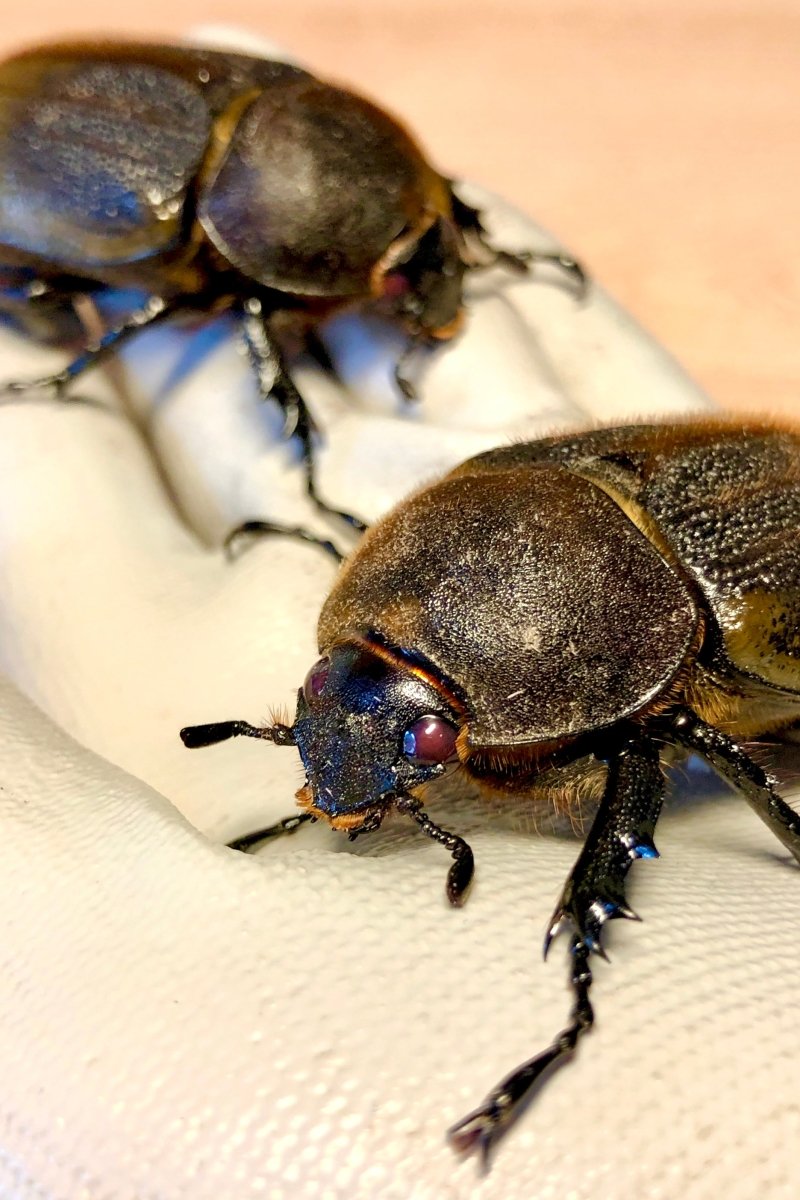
[(216, 181), (550, 619)]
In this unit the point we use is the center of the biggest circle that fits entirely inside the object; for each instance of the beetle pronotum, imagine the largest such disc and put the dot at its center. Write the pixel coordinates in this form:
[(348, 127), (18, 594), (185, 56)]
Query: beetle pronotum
[(216, 181), (551, 618)]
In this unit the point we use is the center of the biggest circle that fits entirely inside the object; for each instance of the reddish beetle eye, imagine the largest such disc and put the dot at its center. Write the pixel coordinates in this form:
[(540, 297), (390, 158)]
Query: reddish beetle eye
[(316, 679), (395, 285), (430, 740)]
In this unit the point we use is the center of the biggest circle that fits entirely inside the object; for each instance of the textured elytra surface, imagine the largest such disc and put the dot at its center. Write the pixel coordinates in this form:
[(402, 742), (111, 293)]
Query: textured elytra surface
[(100, 145), (528, 589), (178, 1021), (97, 163)]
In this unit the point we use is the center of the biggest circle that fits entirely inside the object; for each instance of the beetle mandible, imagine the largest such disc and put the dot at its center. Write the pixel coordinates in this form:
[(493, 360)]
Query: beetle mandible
[(553, 619), (217, 181)]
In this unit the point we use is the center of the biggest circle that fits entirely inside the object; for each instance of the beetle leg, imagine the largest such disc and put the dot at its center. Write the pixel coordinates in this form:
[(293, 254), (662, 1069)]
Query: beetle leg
[(275, 383), (287, 825), (481, 1128), (525, 259), (469, 222), (595, 891), (156, 308), (418, 344), (621, 832), (262, 528), (733, 762)]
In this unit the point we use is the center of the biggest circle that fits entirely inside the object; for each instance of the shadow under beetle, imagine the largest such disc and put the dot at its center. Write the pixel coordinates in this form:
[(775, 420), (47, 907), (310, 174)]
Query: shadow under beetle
[(216, 181), (550, 618)]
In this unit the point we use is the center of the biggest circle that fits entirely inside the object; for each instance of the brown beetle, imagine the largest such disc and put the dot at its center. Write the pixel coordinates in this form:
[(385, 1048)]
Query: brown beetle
[(553, 619), (215, 181)]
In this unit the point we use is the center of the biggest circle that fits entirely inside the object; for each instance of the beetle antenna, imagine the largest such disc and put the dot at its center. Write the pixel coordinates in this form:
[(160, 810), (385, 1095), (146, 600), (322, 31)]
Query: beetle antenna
[(481, 1128), (459, 877), (194, 736)]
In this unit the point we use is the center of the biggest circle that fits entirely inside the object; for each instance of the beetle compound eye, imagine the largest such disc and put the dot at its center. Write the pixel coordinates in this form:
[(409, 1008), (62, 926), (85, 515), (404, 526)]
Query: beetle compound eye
[(316, 679), (430, 740), (395, 285)]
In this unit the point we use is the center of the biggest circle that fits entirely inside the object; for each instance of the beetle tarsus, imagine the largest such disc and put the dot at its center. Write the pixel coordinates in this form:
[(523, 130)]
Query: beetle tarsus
[(572, 269), (460, 875), (57, 383), (279, 829), (249, 530), (483, 1127)]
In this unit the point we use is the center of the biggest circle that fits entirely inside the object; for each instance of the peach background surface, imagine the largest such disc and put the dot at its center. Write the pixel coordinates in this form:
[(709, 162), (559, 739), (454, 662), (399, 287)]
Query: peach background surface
[(660, 142)]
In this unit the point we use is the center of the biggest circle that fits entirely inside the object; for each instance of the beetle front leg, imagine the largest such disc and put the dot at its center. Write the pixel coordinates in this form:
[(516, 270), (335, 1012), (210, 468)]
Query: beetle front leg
[(279, 829), (275, 383), (482, 1128), (621, 832), (594, 893), (469, 222), (733, 762)]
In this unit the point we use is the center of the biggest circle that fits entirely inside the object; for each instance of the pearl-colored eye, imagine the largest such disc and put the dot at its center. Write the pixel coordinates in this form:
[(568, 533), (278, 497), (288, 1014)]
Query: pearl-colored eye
[(316, 679), (430, 740)]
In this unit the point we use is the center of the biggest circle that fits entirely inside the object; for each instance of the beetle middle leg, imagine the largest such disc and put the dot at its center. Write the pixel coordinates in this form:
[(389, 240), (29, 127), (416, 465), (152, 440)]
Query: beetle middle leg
[(735, 764), (622, 831), (275, 383)]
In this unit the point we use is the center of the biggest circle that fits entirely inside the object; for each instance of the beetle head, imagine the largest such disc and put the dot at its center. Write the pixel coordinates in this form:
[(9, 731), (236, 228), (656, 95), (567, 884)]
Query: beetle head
[(369, 729), (423, 285)]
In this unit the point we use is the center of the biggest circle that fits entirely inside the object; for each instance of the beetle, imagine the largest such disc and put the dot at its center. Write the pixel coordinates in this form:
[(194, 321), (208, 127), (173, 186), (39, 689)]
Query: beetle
[(215, 181), (557, 619)]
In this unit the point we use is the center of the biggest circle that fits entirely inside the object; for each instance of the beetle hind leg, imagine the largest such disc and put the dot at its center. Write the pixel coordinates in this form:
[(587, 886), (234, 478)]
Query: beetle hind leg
[(250, 529)]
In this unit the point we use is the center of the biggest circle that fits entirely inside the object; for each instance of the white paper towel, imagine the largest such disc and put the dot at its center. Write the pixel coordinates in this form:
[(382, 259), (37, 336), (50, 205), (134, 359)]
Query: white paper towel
[(180, 1021)]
